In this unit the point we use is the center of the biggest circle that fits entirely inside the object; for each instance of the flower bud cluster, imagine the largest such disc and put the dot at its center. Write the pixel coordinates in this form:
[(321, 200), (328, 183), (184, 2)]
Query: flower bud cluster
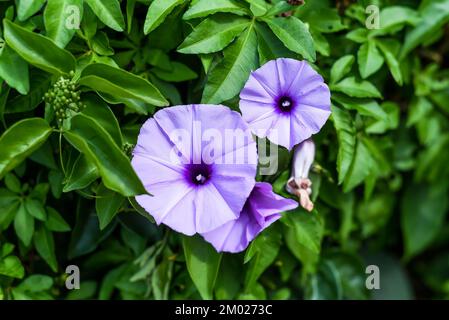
[(64, 98)]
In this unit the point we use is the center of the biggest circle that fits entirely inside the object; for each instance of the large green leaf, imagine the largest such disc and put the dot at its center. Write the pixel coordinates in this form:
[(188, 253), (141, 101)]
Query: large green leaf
[(214, 34), (390, 50), (37, 49), (203, 263), (294, 34), (97, 145), (158, 10), (14, 70), (21, 140), (229, 76), (360, 167), (56, 15), (24, 225), (82, 174), (341, 67), (203, 8), (423, 210), (120, 84), (269, 46), (369, 59), (109, 13), (346, 140)]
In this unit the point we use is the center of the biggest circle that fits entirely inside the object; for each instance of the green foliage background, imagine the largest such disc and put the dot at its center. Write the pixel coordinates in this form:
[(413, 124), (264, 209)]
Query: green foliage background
[(380, 180)]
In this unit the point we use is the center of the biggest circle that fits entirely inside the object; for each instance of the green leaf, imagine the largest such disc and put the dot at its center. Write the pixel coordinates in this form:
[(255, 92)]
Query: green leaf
[(261, 254), (158, 10), (394, 17), (113, 165), (38, 50), (434, 15), (369, 59), (13, 183), (357, 88), (229, 76), (107, 205), (390, 49), (55, 222), (120, 84), (269, 46), (358, 35), (180, 73), (360, 168), (294, 34), (24, 225), (36, 283), (341, 67), (346, 140), (82, 174), (423, 211), (27, 8), (258, 7), (45, 246), (213, 34), (308, 228), (109, 13), (203, 263), (161, 278), (56, 18), (203, 8), (21, 140), (35, 208), (11, 267), (14, 70), (99, 111)]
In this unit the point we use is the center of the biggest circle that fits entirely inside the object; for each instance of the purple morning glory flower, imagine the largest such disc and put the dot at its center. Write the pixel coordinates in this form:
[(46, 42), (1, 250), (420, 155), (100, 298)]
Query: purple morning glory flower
[(286, 101), (199, 164), (261, 209)]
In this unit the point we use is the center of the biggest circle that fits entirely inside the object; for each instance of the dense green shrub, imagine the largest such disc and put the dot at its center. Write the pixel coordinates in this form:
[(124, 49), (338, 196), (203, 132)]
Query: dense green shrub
[(72, 101)]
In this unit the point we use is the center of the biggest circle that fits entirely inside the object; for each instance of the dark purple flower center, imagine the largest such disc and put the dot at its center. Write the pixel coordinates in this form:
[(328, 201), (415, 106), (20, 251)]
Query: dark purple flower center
[(285, 104), (198, 174)]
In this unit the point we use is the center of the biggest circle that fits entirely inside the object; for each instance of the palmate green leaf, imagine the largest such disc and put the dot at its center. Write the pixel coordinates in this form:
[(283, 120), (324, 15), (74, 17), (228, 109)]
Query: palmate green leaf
[(27, 8), (38, 50), (346, 140), (97, 145), (45, 246), (294, 34), (120, 84), (269, 46), (434, 14), (14, 70), (214, 34), (369, 59), (357, 88), (341, 67), (11, 267), (228, 77), (203, 263), (158, 10), (21, 140), (24, 225), (423, 211), (390, 49), (108, 12), (203, 8), (107, 205), (56, 15), (82, 174), (261, 254), (180, 73)]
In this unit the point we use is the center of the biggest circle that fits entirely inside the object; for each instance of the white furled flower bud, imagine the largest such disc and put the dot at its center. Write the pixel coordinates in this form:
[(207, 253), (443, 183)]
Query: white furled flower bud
[(299, 183)]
